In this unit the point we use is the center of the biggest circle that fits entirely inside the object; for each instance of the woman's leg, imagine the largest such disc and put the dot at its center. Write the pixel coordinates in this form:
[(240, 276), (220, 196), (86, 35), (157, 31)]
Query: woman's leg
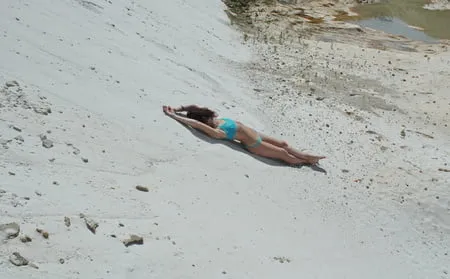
[(274, 141), (283, 144), (268, 150)]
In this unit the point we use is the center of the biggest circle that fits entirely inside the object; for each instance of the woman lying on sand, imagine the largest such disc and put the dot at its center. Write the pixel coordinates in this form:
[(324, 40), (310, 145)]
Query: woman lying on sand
[(206, 120)]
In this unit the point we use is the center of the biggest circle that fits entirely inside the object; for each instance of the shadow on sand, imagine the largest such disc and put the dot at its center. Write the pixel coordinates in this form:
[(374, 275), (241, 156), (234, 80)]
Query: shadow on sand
[(238, 147)]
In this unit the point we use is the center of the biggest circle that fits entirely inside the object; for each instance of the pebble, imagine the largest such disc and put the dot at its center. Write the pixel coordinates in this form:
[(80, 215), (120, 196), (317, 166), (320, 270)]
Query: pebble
[(142, 188), (19, 139), (46, 142), (61, 261), (17, 259), (67, 221), (11, 83), (91, 224), (85, 160), (43, 233), (16, 128), (25, 239), (133, 240)]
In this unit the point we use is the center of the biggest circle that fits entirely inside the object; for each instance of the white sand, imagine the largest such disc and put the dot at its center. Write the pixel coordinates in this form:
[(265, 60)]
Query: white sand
[(211, 211)]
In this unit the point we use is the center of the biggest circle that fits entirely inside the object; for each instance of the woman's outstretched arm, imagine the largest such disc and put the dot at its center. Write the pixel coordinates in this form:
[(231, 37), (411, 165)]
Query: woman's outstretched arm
[(214, 133)]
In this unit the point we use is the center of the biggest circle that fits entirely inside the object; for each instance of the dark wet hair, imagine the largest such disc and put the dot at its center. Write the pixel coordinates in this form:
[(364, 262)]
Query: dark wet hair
[(204, 115)]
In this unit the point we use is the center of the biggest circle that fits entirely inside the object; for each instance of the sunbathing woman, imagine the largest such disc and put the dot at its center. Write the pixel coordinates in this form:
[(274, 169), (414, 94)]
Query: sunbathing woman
[(207, 121)]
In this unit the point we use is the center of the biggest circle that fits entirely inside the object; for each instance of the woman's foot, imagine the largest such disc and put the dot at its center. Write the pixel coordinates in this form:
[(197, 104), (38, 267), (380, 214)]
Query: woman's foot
[(315, 159)]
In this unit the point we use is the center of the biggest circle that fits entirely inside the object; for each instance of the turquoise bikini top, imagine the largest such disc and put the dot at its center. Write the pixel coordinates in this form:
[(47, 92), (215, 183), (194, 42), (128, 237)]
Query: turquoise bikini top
[(229, 127)]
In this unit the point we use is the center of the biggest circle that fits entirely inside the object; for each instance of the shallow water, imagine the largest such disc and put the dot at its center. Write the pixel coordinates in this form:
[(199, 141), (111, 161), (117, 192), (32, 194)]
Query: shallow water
[(395, 16)]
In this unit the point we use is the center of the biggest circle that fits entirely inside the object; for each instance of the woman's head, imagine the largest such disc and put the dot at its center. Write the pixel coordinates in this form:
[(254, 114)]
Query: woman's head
[(203, 115)]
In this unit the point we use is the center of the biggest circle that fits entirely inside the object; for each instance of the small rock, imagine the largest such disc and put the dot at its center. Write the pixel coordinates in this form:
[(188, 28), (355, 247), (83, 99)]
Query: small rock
[(282, 259), (17, 259), (134, 239), (121, 225), (19, 139), (76, 151), (67, 221), (61, 261), (16, 128), (55, 183), (43, 111), (11, 173), (43, 233), (51, 160), (9, 230), (25, 239), (11, 83), (142, 188), (91, 224), (47, 143), (85, 160), (320, 98), (345, 171)]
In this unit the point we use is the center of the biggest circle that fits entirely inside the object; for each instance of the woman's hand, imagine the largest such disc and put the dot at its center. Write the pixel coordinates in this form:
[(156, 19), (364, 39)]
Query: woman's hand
[(168, 110)]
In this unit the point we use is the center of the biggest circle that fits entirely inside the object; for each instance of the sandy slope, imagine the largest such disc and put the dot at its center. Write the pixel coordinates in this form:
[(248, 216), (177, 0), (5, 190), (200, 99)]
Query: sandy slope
[(104, 69)]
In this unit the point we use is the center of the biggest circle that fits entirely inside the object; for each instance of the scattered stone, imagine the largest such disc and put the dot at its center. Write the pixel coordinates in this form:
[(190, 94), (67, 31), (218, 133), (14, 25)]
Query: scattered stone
[(345, 170), (121, 225), (55, 183), (11, 83), (43, 233), (51, 160), (90, 224), (67, 221), (113, 236), (320, 98), (402, 133), (444, 170), (85, 160), (17, 259), (142, 188), (19, 139), (11, 173), (15, 128), (25, 239), (44, 111), (9, 230), (282, 259), (133, 240), (45, 141), (76, 151), (61, 261)]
